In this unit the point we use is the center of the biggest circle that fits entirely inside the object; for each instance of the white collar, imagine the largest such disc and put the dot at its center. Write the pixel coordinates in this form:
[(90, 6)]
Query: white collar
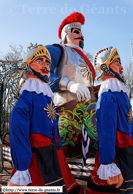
[(112, 84), (76, 47), (38, 86)]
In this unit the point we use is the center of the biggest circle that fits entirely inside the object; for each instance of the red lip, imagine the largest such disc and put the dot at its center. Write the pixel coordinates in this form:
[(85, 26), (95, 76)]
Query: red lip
[(121, 73), (43, 71)]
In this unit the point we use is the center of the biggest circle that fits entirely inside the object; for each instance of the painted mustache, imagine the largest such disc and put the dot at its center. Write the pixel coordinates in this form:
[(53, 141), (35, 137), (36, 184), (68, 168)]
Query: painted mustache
[(45, 70), (81, 38)]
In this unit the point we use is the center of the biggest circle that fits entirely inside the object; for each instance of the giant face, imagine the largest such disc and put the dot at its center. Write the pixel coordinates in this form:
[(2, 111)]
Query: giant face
[(117, 67), (41, 65), (77, 37)]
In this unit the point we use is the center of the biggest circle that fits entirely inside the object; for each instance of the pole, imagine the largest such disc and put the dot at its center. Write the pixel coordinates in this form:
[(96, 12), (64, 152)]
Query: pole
[(131, 50)]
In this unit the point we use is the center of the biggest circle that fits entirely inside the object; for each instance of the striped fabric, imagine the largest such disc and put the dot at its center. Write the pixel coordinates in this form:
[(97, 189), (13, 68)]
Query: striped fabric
[(78, 171), (85, 145), (7, 153), (82, 167)]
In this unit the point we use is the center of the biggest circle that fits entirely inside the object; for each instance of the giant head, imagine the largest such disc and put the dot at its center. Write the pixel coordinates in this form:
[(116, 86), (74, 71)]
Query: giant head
[(37, 62), (107, 61), (70, 29)]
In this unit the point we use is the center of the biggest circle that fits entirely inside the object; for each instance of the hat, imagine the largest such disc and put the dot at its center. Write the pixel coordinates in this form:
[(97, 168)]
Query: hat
[(74, 20), (102, 60)]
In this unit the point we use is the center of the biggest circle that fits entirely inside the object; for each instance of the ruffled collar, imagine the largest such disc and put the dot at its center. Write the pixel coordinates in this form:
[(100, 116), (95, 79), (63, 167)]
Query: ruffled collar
[(112, 84), (36, 85)]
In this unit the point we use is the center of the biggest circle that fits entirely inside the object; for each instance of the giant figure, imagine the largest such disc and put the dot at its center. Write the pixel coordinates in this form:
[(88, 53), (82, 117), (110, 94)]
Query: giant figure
[(114, 160), (71, 75), (36, 148)]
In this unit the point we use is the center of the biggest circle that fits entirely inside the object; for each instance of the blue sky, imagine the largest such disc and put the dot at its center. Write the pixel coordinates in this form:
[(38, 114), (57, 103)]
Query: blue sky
[(107, 23)]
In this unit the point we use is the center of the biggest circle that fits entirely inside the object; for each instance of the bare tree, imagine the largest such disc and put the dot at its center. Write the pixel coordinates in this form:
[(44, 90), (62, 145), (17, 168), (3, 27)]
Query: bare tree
[(128, 76), (89, 56), (16, 53)]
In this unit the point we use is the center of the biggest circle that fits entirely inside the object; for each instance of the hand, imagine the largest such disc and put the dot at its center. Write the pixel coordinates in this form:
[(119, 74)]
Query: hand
[(81, 90), (11, 184), (116, 180)]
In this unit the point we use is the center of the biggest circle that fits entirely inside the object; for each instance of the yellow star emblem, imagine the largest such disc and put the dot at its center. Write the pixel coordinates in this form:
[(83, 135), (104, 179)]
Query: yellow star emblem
[(51, 112), (130, 116)]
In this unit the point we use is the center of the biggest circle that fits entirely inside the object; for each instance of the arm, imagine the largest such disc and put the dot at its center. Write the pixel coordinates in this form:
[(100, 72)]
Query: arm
[(107, 128), (19, 138)]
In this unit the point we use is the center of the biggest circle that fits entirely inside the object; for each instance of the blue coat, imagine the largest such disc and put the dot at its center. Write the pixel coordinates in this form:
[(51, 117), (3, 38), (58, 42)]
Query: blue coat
[(111, 113), (28, 116)]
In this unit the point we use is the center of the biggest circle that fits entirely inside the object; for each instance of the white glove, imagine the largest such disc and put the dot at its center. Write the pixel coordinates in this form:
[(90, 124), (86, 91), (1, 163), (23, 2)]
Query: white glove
[(81, 90)]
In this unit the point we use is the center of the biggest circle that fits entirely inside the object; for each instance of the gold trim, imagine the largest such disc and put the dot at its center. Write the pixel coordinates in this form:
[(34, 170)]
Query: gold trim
[(126, 189), (82, 61), (91, 79), (85, 74), (82, 70), (87, 70), (113, 55), (67, 83), (88, 77), (130, 116), (40, 51), (129, 181), (54, 181), (81, 65), (60, 83), (72, 185), (51, 112)]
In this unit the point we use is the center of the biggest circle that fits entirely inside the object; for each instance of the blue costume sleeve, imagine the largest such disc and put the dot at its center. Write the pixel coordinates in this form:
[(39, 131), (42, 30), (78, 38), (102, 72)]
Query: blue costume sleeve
[(19, 132), (55, 53), (107, 129)]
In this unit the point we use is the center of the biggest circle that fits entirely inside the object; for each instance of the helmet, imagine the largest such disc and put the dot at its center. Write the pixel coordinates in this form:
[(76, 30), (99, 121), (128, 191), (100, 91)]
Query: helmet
[(74, 20), (30, 57), (102, 61)]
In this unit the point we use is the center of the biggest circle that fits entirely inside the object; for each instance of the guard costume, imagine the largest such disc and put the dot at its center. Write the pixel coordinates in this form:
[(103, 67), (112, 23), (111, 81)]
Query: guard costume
[(34, 136), (114, 127)]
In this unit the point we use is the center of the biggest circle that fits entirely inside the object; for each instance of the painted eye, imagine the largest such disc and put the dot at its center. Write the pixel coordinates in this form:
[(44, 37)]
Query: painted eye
[(48, 65), (39, 62), (76, 31), (118, 61)]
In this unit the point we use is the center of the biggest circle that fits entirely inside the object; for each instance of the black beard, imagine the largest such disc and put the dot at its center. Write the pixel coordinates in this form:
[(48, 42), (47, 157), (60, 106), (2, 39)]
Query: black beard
[(42, 77), (117, 75), (81, 44)]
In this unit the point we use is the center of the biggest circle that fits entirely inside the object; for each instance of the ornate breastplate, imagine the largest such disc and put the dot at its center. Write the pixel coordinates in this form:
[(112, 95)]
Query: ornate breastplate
[(73, 66)]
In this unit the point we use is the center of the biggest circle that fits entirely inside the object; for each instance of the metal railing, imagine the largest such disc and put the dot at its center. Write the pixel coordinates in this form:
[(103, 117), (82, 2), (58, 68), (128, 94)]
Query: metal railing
[(10, 74)]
